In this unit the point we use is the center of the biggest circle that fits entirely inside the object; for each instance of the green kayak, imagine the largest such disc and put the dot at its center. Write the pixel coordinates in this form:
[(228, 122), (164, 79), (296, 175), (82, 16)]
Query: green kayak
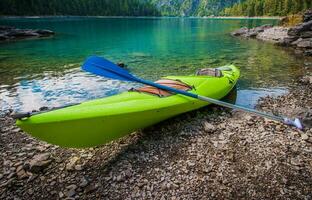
[(100, 121)]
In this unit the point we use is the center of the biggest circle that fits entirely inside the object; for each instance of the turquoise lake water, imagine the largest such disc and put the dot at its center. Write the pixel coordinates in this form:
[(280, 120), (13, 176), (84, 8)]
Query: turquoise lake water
[(45, 72)]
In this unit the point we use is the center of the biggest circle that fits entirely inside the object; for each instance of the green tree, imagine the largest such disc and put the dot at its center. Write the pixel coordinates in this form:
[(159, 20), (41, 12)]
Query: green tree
[(77, 7), (267, 7)]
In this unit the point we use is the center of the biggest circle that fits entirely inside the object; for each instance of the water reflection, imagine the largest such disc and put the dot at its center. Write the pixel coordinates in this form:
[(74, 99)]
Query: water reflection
[(73, 87)]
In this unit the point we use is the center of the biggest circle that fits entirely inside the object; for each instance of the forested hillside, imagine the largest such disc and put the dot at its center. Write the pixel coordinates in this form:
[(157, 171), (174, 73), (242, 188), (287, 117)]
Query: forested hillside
[(78, 7), (115, 7), (267, 7), (192, 7), (153, 7)]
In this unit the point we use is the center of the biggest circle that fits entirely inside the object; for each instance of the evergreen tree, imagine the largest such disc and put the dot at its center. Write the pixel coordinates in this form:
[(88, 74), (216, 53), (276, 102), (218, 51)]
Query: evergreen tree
[(78, 7), (268, 7)]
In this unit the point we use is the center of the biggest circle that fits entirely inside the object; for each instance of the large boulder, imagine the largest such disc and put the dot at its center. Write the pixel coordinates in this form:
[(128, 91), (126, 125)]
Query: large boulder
[(306, 34), (287, 41), (303, 43), (297, 30), (251, 33), (240, 32), (307, 16), (275, 35), (44, 32), (22, 33), (263, 27)]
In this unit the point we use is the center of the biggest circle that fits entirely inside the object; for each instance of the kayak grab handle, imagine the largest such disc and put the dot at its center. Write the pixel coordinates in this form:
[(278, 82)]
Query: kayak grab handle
[(29, 114), (21, 115)]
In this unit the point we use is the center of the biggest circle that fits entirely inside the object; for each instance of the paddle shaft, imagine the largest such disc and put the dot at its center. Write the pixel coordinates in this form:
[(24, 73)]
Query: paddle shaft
[(228, 105)]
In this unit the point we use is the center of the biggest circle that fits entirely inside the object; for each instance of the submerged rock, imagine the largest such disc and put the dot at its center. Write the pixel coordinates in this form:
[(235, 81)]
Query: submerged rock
[(8, 33), (44, 32), (240, 32), (245, 32)]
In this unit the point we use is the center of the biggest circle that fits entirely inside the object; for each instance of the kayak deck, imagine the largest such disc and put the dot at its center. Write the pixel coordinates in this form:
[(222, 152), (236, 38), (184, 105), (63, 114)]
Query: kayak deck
[(99, 121)]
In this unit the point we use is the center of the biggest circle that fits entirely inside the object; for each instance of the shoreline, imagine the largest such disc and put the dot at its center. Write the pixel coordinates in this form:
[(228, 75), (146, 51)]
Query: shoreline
[(288, 34), (245, 17), (141, 17)]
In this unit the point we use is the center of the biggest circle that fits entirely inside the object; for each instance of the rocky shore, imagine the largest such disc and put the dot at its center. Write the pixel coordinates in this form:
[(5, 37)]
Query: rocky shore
[(212, 153), (9, 33), (298, 37)]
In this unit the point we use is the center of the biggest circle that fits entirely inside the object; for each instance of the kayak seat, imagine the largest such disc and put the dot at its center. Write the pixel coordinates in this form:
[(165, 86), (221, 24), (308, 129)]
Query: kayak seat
[(163, 93)]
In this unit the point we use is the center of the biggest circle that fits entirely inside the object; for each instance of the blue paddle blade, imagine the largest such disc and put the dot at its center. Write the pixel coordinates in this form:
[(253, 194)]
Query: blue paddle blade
[(102, 67)]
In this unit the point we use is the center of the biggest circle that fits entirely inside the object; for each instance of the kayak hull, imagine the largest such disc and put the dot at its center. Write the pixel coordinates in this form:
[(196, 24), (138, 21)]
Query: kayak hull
[(100, 121)]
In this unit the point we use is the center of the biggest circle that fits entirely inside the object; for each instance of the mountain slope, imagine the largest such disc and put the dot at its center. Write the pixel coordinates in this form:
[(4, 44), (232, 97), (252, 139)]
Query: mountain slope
[(153, 7), (192, 7)]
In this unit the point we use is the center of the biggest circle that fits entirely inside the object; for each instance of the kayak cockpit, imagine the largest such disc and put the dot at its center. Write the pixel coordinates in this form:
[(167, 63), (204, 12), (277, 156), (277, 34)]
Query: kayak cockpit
[(177, 84)]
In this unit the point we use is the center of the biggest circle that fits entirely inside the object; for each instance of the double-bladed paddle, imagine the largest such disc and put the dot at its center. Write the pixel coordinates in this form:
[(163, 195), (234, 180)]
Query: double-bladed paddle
[(102, 67)]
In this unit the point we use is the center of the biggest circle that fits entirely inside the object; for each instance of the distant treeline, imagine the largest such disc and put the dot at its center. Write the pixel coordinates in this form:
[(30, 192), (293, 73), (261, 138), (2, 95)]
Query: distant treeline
[(78, 7), (153, 7), (267, 7)]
